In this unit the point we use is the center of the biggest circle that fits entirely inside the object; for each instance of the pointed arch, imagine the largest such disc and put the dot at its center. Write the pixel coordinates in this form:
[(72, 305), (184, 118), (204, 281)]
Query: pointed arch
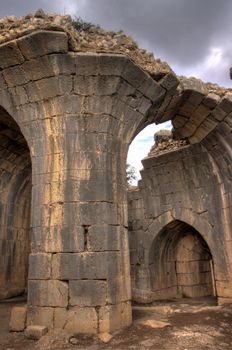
[(180, 263)]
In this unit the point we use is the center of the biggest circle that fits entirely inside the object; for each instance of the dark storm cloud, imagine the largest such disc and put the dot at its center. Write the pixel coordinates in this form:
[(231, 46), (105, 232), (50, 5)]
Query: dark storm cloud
[(22, 7), (181, 29), (183, 32)]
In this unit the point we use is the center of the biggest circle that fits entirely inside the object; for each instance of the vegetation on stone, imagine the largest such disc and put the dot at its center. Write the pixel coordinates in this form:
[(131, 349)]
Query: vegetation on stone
[(79, 24)]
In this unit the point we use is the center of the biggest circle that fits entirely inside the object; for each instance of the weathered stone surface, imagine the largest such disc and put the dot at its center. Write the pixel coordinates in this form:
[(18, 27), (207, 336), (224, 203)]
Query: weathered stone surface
[(110, 317), (40, 266), (42, 42), (87, 293), (10, 55), (35, 332), (182, 186), (67, 118), (48, 293), (77, 320), (18, 318), (76, 266), (40, 315)]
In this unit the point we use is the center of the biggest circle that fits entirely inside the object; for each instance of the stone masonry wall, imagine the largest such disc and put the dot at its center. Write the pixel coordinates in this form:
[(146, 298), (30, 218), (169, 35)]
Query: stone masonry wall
[(78, 99), (192, 185), (78, 112)]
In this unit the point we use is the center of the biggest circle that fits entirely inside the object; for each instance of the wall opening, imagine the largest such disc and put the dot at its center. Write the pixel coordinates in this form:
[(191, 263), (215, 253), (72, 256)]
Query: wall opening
[(15, 206), (140, 147), (181, 264)]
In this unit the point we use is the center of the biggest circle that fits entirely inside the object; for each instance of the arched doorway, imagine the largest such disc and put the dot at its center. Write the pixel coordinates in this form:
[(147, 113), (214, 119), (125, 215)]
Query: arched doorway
[(15, 205), (181, 264)]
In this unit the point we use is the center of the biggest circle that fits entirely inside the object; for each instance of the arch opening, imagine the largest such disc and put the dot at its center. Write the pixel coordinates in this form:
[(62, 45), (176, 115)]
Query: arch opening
[(15, 206), (180, 264)]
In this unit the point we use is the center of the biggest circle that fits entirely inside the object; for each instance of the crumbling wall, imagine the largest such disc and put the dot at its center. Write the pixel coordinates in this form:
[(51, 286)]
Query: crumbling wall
[(79, 98), (78, 113), (191, 184)]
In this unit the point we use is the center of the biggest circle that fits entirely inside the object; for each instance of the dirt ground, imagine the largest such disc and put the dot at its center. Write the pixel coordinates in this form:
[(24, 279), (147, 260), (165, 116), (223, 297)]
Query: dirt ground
[(186, 324)]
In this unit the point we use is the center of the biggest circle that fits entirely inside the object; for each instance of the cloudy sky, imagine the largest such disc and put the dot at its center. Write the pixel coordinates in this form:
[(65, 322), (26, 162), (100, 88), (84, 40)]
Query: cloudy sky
[(193, 36)]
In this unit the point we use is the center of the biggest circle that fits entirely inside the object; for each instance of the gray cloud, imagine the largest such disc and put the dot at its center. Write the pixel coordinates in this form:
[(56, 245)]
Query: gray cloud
[(182, 32)]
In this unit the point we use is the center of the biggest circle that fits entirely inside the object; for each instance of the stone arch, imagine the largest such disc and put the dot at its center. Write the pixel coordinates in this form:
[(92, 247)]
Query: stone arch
[(15, 205), (181, 264)]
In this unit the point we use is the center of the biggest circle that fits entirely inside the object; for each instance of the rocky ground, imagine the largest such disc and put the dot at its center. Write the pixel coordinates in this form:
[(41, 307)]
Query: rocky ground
[(84, 37), (188, 324)]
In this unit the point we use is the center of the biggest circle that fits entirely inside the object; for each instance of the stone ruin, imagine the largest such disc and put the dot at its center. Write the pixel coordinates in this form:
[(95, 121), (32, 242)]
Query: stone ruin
[(71, 102)]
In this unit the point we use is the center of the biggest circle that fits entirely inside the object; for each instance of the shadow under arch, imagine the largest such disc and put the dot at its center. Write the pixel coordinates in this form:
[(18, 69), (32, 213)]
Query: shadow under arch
[(15, 206), (180, 263)]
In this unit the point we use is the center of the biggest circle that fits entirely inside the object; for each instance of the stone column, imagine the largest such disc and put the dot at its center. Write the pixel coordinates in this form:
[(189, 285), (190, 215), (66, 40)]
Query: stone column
[(79, 113), (79, 268)]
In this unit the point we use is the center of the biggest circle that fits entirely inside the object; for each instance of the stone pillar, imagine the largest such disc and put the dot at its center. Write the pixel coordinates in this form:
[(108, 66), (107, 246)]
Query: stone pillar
[(79, 113), (79, 268)]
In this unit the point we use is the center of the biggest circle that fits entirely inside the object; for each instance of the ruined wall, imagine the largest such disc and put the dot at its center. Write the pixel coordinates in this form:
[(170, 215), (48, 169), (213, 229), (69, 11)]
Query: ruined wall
[(192, 185), (78, 99), (78, 112)]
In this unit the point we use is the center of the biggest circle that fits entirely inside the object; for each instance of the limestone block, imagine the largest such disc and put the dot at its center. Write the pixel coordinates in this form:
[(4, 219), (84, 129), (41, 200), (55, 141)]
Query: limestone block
[(64, 239), (43, 42), (86, 63), (226, 103), (179, 121), (39, 266), (77, 320), (134, 75), (98, 104), (195, 98), (152, 90), (49, 87), (211, 100), (49, 215), (224, 301), (18, 318), (35, 332), (88, 190), (169, 82), (10, 55), (47, 66), (111, 64), (224, 289), (186, 109), (114, 317), (87, 293), (106, 124), (96, 85), (90, 213), (200, 113), (75, 266), (104, 237), (210, 123), (47, 293), (40, 315), (218, 113), (15, 76), (90, 141), (19, 95), (194, 86), (119, 288)]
